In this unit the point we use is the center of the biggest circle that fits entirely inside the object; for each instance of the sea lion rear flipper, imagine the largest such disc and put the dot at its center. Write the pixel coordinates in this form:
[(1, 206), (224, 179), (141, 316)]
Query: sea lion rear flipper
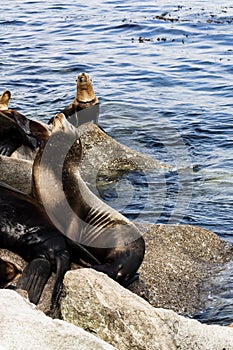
[(34, 277)]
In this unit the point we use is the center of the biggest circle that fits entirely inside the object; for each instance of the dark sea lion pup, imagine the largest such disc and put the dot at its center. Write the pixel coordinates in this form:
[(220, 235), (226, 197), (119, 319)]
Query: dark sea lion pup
[(8, 272), (26, 230), (78, 213)]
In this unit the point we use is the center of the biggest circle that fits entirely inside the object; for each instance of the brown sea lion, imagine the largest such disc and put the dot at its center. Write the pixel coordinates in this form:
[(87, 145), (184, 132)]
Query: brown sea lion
[(85, 106), (26, 230), (8, 272), (77, 212), (4, 100), (16, 130), (85, 95)]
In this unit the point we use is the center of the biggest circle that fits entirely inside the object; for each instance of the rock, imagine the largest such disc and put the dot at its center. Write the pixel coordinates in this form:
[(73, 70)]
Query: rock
[(25, 328), (98, 304), (16, 173), (179, 262), (109, 157), (102, 156)]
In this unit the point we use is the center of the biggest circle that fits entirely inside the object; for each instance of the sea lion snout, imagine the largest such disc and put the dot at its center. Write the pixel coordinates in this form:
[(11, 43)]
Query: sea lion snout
[(84, 78)]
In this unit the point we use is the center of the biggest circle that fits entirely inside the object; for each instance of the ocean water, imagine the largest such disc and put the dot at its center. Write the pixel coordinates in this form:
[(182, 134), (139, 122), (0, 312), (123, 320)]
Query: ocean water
[(163, 75)]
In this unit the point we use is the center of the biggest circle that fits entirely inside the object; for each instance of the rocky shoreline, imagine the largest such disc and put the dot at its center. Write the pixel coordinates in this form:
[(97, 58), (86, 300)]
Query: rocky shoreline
[(179, 261), (174, 279)]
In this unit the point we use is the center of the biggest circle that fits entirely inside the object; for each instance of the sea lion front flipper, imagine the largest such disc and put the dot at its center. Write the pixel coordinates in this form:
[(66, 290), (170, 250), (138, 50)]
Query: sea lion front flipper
[(8, 146), (34, 277), (63, 262)]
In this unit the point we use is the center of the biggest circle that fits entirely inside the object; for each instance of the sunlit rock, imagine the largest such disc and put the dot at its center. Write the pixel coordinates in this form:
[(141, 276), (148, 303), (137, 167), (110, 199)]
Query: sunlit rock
[(25, 328), (179, 264), (98, 304)]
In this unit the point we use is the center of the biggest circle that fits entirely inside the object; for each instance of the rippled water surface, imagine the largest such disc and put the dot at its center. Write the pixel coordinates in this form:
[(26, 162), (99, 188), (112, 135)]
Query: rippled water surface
[(163, 74)]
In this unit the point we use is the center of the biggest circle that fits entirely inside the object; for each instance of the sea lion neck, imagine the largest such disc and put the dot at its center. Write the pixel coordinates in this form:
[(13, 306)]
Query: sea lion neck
[(62, 147)]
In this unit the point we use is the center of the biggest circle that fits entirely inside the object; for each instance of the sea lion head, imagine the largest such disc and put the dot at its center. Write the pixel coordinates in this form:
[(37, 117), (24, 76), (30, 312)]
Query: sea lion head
[(83, 81), (8, 272), (61, 124), (4, 100), (85, 91), (69, 137)]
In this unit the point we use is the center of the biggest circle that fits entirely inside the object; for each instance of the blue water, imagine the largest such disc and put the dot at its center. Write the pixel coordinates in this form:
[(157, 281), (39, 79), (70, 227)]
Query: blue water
[(163, 74)]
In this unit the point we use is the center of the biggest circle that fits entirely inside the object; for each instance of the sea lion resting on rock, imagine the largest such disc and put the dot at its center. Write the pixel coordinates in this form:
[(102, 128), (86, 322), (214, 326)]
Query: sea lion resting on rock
[(77, 212), (96, 233), (17, 130), (85, 106), (85, 95)]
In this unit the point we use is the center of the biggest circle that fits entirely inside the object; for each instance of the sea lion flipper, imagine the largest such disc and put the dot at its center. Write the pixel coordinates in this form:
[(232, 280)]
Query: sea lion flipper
[(126, 282), (63, 262), (34, 277), (8, 146)]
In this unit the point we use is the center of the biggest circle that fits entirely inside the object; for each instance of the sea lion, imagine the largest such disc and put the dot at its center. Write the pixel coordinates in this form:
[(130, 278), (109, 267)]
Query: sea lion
[(85, 106), (17, 130), (8, 272), (77, 212), (4, 100), (26, 230)]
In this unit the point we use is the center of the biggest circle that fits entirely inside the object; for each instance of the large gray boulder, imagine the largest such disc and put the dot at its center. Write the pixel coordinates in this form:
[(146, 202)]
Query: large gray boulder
[(96, 303), (102, 155), (105, 156), (24, 328)]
